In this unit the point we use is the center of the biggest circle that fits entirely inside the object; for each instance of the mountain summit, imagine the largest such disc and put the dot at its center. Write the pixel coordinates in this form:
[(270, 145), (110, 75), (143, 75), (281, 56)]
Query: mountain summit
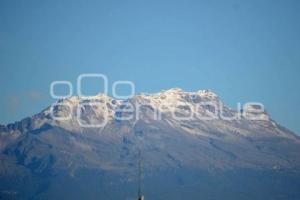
[(182, 135)]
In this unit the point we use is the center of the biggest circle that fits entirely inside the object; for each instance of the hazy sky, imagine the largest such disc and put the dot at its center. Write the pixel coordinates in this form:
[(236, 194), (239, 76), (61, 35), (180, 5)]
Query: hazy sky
[(242, 50)]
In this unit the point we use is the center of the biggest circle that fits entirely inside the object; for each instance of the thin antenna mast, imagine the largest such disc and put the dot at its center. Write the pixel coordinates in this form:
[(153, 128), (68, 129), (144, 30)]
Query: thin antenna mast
[(140, 196)]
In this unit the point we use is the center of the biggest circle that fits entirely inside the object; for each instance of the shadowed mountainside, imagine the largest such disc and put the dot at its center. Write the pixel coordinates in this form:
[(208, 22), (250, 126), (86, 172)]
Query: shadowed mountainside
[(44, 158)]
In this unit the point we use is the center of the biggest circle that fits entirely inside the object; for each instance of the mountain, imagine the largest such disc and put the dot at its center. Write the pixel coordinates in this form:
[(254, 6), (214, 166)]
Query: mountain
[(192, 145)]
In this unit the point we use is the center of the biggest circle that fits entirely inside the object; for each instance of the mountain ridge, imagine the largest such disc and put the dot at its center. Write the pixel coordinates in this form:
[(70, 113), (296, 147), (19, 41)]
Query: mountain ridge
[(45, 158), (233, 131), (204, 95)]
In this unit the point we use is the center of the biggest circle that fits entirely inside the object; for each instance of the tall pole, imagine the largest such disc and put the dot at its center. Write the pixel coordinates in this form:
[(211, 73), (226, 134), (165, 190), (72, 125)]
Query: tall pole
[(139, 174)]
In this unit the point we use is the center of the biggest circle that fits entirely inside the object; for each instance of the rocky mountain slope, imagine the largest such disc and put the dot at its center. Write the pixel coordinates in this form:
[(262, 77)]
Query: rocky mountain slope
[(186, 139)]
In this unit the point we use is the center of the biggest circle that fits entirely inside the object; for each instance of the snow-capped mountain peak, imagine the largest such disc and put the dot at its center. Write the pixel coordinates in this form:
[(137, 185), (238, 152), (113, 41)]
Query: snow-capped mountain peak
[(173, 128), (194, 112)]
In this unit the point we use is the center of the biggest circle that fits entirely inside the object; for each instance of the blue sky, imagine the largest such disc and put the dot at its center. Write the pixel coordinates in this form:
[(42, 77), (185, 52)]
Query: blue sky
[(242, 50)]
